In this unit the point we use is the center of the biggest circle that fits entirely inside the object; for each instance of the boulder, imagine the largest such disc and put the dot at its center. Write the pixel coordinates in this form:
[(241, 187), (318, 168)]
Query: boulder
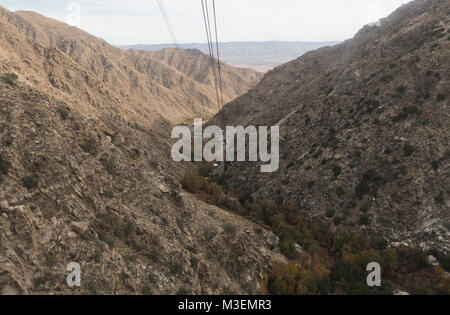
[(82, 228), (432, 261)]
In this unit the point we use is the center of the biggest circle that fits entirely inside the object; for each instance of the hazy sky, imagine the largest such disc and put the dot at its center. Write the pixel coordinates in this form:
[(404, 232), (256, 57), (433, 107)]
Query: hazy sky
[(140, 21)]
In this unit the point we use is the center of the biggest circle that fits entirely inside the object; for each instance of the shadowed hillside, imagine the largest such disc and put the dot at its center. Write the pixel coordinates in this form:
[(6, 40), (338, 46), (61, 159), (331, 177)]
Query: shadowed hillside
[(365, 131)]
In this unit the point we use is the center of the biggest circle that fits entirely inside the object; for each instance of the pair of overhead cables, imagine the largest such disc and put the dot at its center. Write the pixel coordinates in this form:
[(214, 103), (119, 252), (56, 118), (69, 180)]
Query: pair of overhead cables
[(215, 67), (213, 55), (170, 27)]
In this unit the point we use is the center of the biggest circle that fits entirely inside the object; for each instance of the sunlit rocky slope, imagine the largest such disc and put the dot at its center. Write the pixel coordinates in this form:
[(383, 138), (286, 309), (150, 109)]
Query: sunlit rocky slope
[(86, 174)]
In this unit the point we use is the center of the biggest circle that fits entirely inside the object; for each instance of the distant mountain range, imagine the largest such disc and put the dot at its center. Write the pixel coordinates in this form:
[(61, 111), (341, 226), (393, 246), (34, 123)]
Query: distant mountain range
[(261, 56)]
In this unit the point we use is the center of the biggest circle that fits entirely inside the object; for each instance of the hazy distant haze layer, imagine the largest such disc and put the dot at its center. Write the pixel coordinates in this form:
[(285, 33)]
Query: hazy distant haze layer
[(261, 56)]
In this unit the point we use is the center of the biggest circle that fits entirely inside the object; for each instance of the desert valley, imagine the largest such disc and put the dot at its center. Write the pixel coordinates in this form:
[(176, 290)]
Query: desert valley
[(86, 173)]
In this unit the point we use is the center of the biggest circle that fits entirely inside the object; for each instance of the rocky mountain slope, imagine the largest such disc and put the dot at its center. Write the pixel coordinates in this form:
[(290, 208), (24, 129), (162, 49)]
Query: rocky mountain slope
[(196, 65), (261, 56), (86, 174), (63, 59), (365, 130)]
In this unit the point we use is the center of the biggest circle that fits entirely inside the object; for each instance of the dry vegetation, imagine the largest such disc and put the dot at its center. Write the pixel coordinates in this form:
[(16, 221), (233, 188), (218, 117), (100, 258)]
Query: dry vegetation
[(332, 262)]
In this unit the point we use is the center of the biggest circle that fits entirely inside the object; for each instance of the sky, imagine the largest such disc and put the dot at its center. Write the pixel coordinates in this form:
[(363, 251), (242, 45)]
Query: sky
[(126, 22)]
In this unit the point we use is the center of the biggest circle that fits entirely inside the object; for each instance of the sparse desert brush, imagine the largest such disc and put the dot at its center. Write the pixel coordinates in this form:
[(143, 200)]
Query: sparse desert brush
[(4, 166), (229, 229), (408, 149), (441, 97), (364, 219), (89, 146), (10, 78), (193, 182), (30, 182), (63, 112)]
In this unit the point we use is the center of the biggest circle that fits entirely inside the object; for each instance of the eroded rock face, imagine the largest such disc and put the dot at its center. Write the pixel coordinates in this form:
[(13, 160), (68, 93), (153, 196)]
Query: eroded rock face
[(364, 130)]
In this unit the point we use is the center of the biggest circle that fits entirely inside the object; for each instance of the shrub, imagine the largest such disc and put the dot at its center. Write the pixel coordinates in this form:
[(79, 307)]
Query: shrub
[(205, 170), (330, 213), (310, 184), (444, 259), (411, 110), (337, 220), (229, 229), (176, 268), (183, 291), (129, 259), (7, 142), (109, 194), (406, 112), (441, 97), (408, 149), (228, 291), (192, 182), (401, 90), (287, 247), (4, 166), (180, 223), (301, 279), (362, 188), (88, 146), (155, 254), (435, 165), (10, 78), (63, 112), (387, 78), (98, 257), (244, 196), (154, 164), (370, 182), (317, 154), (365, 208), (352, 204), (105, 239), (381, 244), (146, 290), (50, 261), (340, 191), (39, 281), (337, 170), (30, 182), (110, 168), (194, 262), (439, 199), (307, 120), (364, 219)]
